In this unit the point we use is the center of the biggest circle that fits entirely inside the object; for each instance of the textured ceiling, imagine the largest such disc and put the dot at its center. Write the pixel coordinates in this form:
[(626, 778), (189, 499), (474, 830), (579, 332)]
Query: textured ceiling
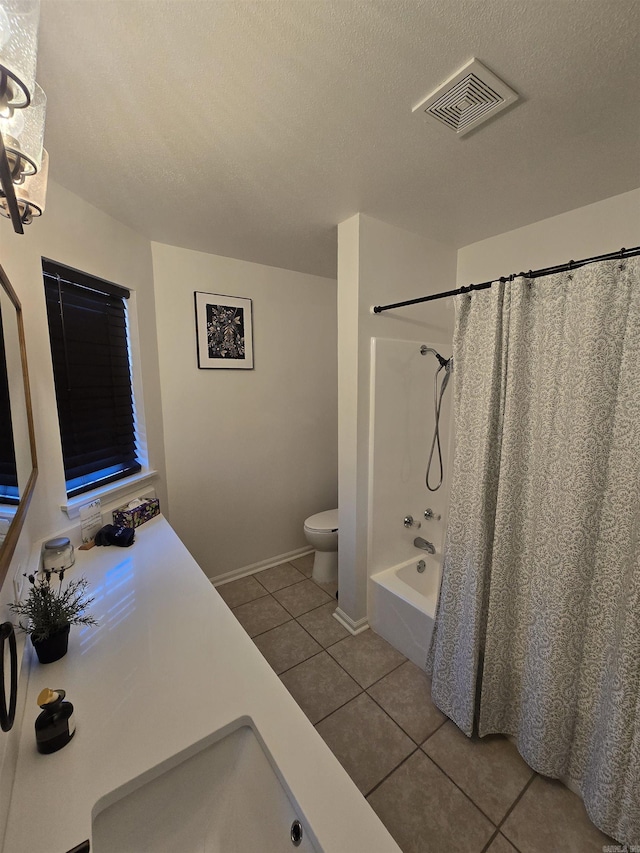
[(250, 129)]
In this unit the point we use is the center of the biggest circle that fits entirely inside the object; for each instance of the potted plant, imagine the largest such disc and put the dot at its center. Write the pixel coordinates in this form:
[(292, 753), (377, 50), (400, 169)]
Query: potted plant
[(48, 613)]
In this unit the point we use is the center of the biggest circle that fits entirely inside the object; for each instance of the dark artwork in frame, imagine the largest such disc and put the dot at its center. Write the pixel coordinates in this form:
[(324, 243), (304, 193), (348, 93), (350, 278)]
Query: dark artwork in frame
[(224, 331)]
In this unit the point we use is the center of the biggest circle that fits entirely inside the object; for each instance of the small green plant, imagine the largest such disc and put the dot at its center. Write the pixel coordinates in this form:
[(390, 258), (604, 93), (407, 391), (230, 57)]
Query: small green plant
[(47, 610)]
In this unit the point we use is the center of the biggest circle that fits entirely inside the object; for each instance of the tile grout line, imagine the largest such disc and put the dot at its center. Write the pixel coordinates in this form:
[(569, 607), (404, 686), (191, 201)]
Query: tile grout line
[(479, 808), (364, 689), (508, 812), (323, 648), (378, 680), (397, 767), (462, 791), (306, 611), (249, 601), (446, 720), (311, 657), (400, 726), (335, 710)]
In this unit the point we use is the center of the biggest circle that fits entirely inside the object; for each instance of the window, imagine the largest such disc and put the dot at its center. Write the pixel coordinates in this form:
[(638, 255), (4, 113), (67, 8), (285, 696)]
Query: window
[(92, 373), (8, 471)]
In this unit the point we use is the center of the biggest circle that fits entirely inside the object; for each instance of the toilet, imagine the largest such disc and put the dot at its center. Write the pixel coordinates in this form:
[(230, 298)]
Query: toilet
[(321, 531)]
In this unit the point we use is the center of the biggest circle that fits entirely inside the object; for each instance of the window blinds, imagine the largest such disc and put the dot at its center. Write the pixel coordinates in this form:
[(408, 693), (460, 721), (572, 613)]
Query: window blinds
[(8, 472), (89, 348)]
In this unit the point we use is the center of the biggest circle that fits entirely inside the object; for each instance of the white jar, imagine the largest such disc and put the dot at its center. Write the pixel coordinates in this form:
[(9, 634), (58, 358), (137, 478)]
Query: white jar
[(57, 554)]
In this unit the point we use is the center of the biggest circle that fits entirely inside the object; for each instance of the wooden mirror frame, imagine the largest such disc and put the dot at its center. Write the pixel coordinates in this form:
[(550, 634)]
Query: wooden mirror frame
[(11, 539)]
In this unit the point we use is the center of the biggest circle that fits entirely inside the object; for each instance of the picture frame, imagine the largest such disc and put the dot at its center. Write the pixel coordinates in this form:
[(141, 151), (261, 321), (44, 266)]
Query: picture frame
[(224, 331)]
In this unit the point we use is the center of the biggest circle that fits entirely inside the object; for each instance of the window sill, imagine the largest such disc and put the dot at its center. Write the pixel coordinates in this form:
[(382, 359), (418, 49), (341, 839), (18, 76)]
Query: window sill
[(112, 492)]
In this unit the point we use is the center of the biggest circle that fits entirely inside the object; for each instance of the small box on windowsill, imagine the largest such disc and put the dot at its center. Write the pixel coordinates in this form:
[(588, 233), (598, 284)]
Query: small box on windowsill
[(128, 516)]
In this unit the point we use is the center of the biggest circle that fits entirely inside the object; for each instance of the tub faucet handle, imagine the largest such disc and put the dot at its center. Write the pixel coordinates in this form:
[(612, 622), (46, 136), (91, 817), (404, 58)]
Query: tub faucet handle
[(429, 513), (409, 522), (429, 547)]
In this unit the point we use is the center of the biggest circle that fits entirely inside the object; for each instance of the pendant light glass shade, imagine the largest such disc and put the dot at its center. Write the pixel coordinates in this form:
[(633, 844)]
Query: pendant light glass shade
[(23, 134), (31, 195), (18, 52)]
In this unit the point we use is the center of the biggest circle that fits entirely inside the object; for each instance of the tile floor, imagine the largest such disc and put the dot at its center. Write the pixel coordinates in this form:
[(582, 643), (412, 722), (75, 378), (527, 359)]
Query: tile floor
[(433, 788)]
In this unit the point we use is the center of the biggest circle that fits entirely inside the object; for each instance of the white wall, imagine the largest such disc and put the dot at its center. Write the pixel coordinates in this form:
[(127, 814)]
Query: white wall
[(79, 235), (250, 453), (581, 233), (377, 264)]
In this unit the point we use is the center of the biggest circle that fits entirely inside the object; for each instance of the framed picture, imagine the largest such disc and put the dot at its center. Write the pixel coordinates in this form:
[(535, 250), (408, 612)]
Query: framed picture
[(224, 331)]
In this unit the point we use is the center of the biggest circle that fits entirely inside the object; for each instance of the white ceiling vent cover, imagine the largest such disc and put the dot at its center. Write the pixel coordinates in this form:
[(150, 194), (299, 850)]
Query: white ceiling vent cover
[(471, 96)]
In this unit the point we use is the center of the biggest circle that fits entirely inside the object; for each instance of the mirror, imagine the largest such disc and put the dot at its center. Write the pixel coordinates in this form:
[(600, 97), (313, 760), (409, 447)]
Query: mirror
[(17, 437)]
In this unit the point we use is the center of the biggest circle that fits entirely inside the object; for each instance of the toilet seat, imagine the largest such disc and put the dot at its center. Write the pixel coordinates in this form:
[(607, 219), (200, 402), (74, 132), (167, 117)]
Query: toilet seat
[(323, 522)]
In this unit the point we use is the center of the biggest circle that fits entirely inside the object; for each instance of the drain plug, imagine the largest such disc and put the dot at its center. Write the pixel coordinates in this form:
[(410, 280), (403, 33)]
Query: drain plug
[(296, 833)]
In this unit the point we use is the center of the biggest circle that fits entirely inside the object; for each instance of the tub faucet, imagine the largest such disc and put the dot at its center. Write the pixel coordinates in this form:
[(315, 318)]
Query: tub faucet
[(419, 542)]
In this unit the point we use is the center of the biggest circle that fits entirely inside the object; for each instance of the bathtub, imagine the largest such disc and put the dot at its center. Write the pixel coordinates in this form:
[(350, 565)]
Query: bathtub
[(403, 606)]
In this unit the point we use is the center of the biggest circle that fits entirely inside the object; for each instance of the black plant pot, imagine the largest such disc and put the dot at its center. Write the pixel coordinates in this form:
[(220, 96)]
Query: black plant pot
[(54, 647)]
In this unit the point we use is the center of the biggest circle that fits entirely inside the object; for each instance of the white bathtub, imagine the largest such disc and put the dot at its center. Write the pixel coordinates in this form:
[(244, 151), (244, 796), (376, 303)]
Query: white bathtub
[(403, 606)]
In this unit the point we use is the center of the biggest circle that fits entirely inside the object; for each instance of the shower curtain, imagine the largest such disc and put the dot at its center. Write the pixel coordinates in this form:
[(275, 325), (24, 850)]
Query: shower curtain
[(538, 627)]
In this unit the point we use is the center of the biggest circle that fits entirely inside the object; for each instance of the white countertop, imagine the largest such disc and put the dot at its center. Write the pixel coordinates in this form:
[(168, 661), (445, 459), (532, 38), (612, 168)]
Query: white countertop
[(167, 665)]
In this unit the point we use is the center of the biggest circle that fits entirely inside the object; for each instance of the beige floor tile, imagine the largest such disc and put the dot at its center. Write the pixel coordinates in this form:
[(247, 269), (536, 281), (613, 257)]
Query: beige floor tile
[(286, 646), (366, 657), (489, 770), (426, 813), (330, 588), (301, 597), (260, 615), (365, 741), (240, 591), (405, 694), (280, 576), (304, 564), (319, 686), (501, 845), (322, 626), (551, 817)]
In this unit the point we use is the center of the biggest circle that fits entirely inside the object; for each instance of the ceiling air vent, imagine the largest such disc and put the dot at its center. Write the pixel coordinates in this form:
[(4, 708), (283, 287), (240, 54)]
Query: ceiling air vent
[(471, 96)]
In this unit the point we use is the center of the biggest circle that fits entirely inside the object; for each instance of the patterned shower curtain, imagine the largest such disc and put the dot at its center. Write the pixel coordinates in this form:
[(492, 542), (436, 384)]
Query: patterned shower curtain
[(538, 627)]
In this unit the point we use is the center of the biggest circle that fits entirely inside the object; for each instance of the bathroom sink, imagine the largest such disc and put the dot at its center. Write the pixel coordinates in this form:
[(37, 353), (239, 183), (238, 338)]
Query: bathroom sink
[(223, 796)]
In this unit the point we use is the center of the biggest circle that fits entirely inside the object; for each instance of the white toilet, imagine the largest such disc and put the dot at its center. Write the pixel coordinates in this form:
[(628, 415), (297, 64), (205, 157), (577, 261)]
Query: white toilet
[(321, 531)]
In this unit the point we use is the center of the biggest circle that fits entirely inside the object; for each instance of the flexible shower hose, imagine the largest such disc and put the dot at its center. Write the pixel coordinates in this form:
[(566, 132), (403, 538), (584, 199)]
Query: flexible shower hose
[(438, 394)]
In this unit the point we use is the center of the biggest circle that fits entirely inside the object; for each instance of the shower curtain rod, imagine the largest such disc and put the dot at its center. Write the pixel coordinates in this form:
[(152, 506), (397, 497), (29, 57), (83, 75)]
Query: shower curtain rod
[(571, 265)]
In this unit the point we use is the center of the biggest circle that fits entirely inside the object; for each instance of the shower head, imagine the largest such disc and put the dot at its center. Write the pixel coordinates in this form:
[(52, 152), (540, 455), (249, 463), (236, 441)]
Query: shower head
[(448, 370)]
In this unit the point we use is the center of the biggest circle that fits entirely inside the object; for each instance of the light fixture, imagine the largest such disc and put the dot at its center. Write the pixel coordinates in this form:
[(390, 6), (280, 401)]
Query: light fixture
[(23, 135), (31, 194), (23, 167), (18, 51)]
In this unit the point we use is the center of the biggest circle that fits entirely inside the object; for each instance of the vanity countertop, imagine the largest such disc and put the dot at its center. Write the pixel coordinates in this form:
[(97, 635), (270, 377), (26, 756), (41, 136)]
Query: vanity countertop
[(167, 665)]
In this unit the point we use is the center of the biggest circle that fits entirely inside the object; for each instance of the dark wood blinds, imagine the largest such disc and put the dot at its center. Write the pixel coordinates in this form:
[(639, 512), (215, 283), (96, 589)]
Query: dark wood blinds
[(89, 348), (8, 472)]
